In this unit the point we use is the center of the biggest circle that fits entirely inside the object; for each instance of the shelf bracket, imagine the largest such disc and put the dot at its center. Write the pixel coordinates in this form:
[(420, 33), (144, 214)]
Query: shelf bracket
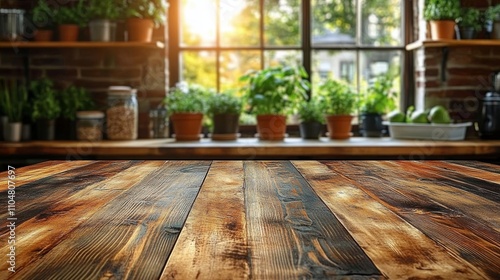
[(444, 62)]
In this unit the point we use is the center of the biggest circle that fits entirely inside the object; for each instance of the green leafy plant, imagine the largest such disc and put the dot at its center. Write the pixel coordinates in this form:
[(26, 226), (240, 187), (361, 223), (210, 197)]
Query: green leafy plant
[(441, 9), (74, 99), (155, 10), (470, 17), (13, 99), (338, 98), (492, 13), (380, 97), (45, 103), (224, 103), (311, 111), (275, 90), (72, 14), (43, 15), (187, 98), (104, 9)]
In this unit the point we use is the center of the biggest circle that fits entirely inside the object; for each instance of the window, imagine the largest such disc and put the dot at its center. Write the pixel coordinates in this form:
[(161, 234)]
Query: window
[(214, 42)]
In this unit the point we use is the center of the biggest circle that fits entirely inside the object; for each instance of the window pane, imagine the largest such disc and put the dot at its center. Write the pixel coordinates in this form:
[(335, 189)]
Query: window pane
[(199, 67), (234, 64), (239, 22), (198, 22), (282, 22), (276, 58), (337, 65), (381, 23), (333, 22)]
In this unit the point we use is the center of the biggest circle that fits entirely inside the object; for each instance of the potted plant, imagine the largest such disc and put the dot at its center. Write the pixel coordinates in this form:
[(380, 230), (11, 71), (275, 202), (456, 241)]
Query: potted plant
[(43, 20), (338, 105), (492, 21), (271, 94), (13, 98), (469, 22), (71, 100), (69, 20), (46, 108), (441, 15), (186, 104), (311, 119), (379, 99), (103, 15), (224, 110), (143, 16)]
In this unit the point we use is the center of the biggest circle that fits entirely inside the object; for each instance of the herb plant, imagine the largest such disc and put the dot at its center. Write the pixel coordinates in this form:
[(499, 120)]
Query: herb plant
[(492, 13), (45, 103), (104, 9), (71, 15), (224, 103), (275, 90), (339, 98), (13, 98), (186, 98), (74, 99), (470, 17), (441, 9), (43, 15), (155, 10), (380, 98), (311, 111)]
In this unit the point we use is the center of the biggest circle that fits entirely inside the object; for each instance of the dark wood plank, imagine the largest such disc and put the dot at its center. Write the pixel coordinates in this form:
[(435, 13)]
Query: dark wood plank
[(478, 165), (213, 242), (39, 235), (132, 235), (463, 236), (398, 249), (291, 232)]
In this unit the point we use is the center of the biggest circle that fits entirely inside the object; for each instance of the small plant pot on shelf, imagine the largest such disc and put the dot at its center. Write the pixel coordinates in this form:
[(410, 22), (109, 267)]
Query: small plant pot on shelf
[(46, 129), (14, 132), (68, 32), (467, 33), (139, 30), (310, 130), (442, 29), (370, 125), (102, 30), (43, 35), (271, 127), (187, 126), (339, 126), (225, 127)]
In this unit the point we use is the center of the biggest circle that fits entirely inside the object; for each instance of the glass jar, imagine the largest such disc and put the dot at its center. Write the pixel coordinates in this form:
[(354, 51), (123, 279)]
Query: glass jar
[(122, 116), (158, 123), (89, 125)]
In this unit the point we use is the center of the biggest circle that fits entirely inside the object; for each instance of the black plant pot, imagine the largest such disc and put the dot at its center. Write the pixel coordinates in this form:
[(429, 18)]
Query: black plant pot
[(225, 126), (46, 129), (370, 125), (467, 33), (65, 129), (310, 130)]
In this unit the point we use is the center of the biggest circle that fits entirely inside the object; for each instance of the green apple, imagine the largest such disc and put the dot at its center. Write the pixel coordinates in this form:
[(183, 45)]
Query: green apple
[(419, 117), (409, 111), (396, 116), (439, 114)]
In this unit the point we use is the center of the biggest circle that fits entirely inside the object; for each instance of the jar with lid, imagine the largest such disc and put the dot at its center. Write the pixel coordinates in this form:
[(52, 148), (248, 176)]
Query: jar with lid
[(89, 125), (122, 116)]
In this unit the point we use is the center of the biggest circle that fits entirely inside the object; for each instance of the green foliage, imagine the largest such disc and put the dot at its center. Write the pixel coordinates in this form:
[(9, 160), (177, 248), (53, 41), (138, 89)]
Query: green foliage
[(74, 99), (470, 17), (148, 9), (275, 90), (492, 13), (224, 103), (311, 111), (72, 14), (104, 9), (442, 9), (43, 15), (13, 99), (338, 98), (187, 98), (45, 103), (380, 97)]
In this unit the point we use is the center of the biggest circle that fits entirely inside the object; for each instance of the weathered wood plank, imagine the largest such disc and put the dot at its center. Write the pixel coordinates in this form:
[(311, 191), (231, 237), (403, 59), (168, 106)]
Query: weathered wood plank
[(462, 236), (132, 235), (492, 175), (490, 167), (38, 235), (291, 232), (213, 242), (398, 249)]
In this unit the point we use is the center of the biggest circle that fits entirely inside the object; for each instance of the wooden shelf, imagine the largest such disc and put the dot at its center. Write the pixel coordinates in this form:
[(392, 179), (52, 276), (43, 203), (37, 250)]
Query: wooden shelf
[(80, 44), (452, 43)]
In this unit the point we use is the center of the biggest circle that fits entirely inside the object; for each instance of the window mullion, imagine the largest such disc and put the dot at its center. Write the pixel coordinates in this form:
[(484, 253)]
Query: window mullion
[(261, 33), (217, 44), (306, 37)]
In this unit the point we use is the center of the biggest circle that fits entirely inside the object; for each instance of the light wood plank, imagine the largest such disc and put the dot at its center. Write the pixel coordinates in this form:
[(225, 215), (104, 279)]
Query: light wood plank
[(398, 249), (463, 236), (213, 242), (291, 232), (132, 235)]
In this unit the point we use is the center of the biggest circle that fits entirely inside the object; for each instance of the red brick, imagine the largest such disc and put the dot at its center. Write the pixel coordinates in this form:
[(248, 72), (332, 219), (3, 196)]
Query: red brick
[(47, 62), (469, 71), (131, 73), (431, 72), (62, 73), (432, 61)]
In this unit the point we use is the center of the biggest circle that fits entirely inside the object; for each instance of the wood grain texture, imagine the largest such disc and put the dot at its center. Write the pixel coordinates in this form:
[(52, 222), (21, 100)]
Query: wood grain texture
[(291, 232), (213, 242), (445, 225), (398, 249), (131, 236)]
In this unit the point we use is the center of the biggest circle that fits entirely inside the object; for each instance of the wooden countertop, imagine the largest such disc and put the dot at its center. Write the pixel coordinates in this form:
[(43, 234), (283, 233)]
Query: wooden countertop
[(253, 220), (251, 148)]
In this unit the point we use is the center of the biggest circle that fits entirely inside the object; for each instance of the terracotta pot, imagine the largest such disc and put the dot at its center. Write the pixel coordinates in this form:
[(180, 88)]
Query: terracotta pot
[(442, 29), (187, 126), (225, 127), (43, 35), (271, 127), (339, 126), (139, 30), (68, 32)]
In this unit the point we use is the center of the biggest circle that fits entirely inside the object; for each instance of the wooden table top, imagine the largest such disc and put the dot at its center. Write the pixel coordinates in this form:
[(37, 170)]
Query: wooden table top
[(252, 148), (253, 220)]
